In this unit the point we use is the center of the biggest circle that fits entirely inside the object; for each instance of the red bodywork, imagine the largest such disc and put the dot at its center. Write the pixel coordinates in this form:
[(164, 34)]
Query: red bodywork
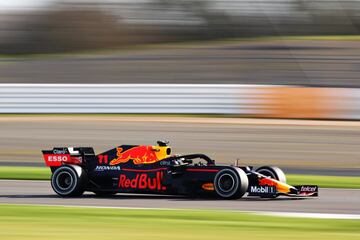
[(56, 160)]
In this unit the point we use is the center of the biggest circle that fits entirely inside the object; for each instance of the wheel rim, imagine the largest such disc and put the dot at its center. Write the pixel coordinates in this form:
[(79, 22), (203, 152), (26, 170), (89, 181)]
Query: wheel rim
[(226, 183), (64, 181)]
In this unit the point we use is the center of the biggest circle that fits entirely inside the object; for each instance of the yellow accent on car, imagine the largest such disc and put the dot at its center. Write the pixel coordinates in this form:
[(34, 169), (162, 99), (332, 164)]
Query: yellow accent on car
[(162, 151)]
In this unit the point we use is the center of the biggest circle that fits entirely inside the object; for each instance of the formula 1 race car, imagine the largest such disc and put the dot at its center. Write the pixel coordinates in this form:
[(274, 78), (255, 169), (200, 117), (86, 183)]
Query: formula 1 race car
[(152, 169)]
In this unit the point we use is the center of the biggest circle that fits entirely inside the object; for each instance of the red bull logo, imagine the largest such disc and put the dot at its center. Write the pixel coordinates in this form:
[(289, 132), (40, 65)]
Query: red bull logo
[(140, 155), (142, 181)]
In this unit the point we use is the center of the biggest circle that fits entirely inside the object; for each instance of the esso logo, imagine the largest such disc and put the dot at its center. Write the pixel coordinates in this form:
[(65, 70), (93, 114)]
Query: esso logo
[(57, 158)]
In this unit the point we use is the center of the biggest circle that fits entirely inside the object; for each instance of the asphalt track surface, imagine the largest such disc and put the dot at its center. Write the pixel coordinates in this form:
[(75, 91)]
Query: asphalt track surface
[(333, 201), (307, 145), (321, 63)]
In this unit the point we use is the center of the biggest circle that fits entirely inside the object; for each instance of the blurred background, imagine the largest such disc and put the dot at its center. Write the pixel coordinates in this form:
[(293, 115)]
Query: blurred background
[(289, 59), (189, 41)]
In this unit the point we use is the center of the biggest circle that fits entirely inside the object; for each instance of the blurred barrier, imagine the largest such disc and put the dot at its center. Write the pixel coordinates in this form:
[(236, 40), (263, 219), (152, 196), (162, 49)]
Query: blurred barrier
[(129, 98), (246, 100), (301, 102), (313, 103)]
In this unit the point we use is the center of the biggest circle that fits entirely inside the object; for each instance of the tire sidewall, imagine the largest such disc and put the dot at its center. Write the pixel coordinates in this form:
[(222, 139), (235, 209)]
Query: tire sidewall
[(239, 186), (77, 185)]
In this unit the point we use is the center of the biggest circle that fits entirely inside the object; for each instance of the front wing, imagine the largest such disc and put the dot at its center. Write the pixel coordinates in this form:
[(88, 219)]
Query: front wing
[(269, 187)]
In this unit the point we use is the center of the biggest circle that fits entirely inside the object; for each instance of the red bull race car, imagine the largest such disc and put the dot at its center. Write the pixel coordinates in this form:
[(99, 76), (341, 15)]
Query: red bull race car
[(154, 170)]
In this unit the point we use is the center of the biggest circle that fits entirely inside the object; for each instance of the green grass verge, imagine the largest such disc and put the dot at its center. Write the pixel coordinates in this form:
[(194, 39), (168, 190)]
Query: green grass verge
[(25, 173), (326, 38), (41, 222), (42, 173), (324, 181)]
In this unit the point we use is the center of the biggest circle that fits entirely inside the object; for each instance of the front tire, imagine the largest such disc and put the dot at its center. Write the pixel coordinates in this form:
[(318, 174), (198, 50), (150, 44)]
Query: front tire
[(273, 172), (231, 183), (67, 181)]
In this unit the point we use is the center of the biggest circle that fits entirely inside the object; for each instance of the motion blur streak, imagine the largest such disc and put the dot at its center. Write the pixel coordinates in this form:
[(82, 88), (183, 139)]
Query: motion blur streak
[(124, 29), (323, 62), (242, 100)]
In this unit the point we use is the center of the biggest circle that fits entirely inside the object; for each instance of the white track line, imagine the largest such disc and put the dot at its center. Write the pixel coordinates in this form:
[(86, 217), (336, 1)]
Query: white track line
[(177, 119), (310, 215)]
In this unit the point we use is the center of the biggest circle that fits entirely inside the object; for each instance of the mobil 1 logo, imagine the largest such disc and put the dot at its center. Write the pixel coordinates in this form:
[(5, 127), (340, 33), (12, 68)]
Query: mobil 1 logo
[(262, 191)]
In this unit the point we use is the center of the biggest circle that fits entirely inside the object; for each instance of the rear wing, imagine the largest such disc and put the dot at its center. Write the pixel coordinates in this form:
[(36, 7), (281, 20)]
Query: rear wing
[(67, 155)]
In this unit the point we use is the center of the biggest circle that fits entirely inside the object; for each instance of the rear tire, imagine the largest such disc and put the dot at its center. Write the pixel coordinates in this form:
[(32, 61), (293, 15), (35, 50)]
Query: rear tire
[(231, 183), (67, 181), (273, 172)]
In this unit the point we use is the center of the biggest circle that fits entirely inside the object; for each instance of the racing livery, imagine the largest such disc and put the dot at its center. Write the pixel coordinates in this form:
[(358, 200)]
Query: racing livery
[(153, 169)]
